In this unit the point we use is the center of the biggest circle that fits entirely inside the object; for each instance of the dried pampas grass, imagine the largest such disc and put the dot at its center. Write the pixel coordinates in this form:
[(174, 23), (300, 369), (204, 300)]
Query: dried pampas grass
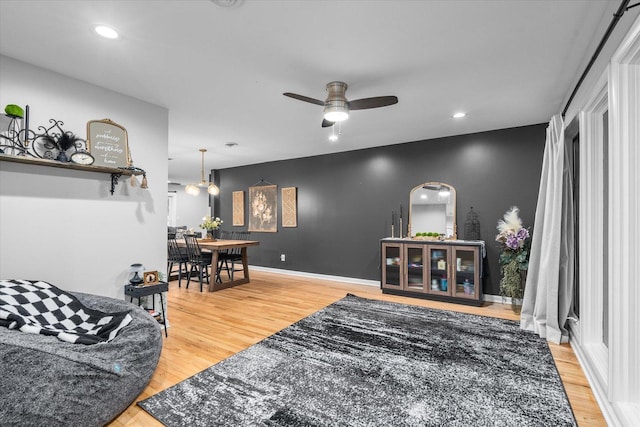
[(511, 222)]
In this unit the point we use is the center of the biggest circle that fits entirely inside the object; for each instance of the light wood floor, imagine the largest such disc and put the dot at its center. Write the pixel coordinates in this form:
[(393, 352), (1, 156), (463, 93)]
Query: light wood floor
[(209, 327)]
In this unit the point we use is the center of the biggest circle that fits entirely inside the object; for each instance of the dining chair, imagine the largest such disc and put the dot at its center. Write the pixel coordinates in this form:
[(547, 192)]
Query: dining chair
[(226, 235), (198, 259), (233, 255), (176, 256), (223, 254)]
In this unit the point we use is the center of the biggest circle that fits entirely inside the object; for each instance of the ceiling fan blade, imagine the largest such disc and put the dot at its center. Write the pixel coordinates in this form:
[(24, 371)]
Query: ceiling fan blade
[(303, 98), (375, 102), (326, 123)]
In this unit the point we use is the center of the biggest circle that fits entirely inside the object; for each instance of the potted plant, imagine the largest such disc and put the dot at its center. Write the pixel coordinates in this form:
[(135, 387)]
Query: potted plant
[(210, 225), (514, 255)]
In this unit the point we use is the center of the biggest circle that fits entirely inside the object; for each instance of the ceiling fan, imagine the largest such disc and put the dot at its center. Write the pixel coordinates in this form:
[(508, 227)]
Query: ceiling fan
[(337, 107)]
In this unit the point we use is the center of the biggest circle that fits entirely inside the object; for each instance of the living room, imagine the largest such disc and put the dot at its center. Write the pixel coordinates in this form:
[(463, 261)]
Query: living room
[(64, 226)]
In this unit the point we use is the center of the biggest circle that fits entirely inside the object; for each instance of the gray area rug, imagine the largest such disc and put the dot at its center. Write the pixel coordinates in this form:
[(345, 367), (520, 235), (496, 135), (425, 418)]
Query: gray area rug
[(361, 362)]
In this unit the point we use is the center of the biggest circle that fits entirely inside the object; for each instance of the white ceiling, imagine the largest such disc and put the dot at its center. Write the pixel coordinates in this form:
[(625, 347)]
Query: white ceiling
[(221, 71)]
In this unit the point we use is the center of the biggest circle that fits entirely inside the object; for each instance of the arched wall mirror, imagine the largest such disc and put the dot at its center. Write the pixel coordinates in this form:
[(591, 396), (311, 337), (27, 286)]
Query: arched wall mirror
[(432, 209)]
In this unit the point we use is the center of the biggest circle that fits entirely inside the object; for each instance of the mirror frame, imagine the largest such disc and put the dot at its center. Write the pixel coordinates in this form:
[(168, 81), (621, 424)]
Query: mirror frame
[(455, 197)]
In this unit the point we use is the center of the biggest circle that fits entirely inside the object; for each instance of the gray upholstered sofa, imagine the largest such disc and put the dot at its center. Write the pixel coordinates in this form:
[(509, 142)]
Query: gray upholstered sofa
[(47, 382)]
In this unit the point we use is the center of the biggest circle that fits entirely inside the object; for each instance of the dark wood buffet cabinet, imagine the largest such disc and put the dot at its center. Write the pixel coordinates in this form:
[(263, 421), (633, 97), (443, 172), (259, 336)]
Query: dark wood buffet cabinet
[(441, 270)]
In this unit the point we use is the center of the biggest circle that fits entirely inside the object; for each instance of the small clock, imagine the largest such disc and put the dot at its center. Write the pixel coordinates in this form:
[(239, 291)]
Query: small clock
[(82, 158)]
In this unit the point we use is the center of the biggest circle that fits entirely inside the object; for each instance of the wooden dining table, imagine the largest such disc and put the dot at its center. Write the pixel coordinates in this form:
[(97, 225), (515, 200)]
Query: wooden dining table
[(215, 246)]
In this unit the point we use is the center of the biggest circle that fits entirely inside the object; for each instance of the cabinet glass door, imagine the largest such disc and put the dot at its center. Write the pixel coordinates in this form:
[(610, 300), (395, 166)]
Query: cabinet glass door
[(467, 279), (438, 270), (414, 258), (392, 262)]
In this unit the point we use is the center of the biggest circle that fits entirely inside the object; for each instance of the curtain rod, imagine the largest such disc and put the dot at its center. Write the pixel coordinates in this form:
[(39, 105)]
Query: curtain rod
[(614, 21)]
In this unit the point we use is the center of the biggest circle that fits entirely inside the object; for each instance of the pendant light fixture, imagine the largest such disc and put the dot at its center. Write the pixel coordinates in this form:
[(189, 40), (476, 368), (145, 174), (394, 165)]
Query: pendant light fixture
[(194, 189)]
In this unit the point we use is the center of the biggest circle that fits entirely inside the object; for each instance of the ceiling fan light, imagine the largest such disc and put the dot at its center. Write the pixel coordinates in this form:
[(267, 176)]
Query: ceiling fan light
[(192, 189), (336, 115), (336, 111)]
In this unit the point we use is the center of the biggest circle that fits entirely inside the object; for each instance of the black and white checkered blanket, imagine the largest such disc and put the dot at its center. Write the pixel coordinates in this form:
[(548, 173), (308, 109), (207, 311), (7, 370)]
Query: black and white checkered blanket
[(41, 308)]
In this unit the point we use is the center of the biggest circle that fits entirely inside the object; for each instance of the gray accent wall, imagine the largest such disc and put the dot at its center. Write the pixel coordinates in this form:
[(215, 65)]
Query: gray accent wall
[(345, 199)]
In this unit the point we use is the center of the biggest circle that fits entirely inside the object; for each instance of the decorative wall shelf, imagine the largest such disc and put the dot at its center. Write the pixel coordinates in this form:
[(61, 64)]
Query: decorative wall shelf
[(22, 145), (115, 173)]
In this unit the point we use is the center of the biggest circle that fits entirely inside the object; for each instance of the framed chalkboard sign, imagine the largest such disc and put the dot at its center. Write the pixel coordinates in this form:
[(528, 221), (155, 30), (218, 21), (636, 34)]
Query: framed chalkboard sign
[(107, 141)]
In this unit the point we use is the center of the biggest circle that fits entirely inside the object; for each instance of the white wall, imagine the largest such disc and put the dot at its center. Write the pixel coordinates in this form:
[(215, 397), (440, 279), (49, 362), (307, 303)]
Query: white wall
[(63, 226), (190, 209)]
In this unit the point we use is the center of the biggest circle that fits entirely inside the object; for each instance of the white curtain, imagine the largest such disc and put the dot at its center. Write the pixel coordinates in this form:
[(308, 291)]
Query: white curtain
[(549, 287)]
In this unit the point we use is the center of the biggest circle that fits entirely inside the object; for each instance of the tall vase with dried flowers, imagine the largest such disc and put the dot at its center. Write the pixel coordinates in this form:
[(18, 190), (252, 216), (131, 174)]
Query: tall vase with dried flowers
[(514, 255)]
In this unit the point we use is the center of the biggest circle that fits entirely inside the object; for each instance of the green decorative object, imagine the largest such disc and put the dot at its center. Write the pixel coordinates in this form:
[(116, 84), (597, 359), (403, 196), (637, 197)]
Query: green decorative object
[(511, 283), (14, 110)]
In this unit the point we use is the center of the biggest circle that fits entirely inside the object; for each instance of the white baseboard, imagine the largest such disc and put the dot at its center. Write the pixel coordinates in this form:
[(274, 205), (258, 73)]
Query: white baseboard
[(599, 392), (497, 299), (487, 297)]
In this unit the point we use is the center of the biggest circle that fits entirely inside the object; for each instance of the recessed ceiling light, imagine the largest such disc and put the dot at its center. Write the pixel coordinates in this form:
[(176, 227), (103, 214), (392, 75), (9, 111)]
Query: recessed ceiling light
[(459, 115), (106, 32), (227, 3)]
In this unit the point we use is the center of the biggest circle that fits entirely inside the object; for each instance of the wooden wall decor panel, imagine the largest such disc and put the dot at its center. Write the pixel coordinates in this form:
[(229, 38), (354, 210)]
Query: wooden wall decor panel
[(289, 207), (238, 208)]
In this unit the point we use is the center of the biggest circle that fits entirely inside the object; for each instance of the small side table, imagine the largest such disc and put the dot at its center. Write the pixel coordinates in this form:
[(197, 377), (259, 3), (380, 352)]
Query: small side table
[(142, 291)]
